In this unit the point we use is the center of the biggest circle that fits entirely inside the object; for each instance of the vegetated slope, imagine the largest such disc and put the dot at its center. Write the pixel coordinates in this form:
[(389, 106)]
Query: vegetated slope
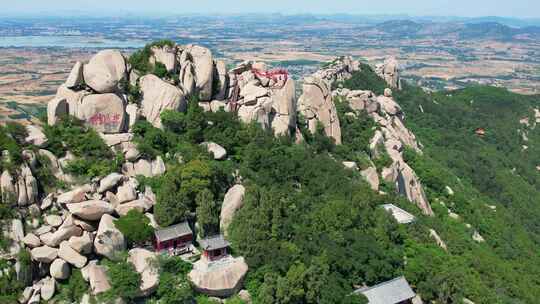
[(496, 187), (312, 231)]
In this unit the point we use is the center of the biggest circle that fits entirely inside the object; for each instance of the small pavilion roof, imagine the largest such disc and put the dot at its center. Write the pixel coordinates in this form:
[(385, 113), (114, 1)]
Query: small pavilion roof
[(214, 242), (173, 232)]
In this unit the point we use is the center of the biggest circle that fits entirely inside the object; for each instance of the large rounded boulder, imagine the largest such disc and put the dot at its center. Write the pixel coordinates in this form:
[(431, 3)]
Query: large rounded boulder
[(158, 96), (105, 71), (104, 112)]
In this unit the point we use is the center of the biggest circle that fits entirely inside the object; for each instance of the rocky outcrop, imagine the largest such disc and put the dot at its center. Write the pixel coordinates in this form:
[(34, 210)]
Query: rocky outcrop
[(158, 96), (105, 71), (372, 177), (56, 109), (317, 107), (110, 181), (75, 78), (96, 275), (145, 168), (103, 112), (27, 187), (35, 136), (60, 269), (221, 279), (221, 79), (389, 71), (76, 195), (90, 210), (44, 254), (8, 187), (216, 150), (109, 241), (71, 256), (232, 202), (165, 55), (391, 138), (204, 70), (316, 104), (261, 95), (145, 264)]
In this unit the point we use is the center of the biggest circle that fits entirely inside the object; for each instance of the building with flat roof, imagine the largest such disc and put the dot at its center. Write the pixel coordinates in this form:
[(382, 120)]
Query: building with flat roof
[(396, 291), (401, 216)]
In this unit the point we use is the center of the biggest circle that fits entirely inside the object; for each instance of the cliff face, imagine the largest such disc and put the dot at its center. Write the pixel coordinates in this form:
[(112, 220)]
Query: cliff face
[(317, 105)]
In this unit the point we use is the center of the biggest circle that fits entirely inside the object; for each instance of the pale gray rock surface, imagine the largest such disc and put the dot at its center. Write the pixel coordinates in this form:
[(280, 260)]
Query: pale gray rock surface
[(68, 254), (35, 136), (48, 287), (316, 106), (82, 244), (221, 280), (104, 72), (165, 55), (76, 195), (216, 150), (144, 262), (60, 269), (75, 78), (110, 181), (104, 112), (109, 241), (158, 96), (31, 241), (90, 210), (372, 177), (232, 202), (56, 109), (44, 254), (204, 70)]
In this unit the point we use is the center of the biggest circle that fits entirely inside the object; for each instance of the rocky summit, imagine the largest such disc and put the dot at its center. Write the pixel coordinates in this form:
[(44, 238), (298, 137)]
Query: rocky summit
[(169, 176)]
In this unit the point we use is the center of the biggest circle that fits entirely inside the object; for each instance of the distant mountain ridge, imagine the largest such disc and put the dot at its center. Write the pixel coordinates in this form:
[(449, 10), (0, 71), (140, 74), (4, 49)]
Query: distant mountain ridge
[(481, 30)]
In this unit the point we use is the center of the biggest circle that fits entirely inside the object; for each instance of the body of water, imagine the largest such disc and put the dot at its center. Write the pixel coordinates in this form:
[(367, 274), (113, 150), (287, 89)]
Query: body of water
[(67, 42)]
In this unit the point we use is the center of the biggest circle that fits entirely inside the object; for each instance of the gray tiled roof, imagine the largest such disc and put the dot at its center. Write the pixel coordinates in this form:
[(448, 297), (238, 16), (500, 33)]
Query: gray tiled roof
[(214, 242), (390, 292), (401, 216), (173, 232)]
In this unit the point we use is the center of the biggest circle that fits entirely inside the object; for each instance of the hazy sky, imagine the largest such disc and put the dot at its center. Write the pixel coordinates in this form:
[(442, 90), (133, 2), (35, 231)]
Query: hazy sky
[(509, 8)]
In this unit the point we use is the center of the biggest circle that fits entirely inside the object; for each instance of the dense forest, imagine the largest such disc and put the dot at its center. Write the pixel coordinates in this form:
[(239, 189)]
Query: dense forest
[(311, 230)]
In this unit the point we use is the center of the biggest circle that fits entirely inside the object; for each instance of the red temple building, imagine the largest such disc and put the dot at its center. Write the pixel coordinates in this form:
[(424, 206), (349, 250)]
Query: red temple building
[(176, 239), (214, 248)]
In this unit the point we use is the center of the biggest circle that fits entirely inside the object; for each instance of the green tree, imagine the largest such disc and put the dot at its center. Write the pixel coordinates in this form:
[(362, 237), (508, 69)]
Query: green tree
[(73, 290), (135, 226), (207, 213), (124, 280)]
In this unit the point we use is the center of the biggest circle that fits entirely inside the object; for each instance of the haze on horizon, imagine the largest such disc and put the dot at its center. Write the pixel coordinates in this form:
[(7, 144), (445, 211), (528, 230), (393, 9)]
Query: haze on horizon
[(462, 8)]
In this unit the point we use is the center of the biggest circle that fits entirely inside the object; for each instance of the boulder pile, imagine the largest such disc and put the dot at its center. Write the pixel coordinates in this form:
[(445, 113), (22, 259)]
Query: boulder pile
[(316, 104), (391, 137), (76, 231)]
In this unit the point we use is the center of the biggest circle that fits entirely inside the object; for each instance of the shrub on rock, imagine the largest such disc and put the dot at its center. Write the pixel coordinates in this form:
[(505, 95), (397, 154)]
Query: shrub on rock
[(136, 227)]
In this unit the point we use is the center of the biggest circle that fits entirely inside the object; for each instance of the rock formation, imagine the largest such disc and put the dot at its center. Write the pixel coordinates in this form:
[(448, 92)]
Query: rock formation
[(105, 71), (389, 71), (158, 96), (391, 138), (232, 202), (316, 104), (221, 279)]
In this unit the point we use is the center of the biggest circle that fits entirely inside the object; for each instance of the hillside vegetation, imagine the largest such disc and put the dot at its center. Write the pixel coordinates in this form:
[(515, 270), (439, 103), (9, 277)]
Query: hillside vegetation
[(313, 231)]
